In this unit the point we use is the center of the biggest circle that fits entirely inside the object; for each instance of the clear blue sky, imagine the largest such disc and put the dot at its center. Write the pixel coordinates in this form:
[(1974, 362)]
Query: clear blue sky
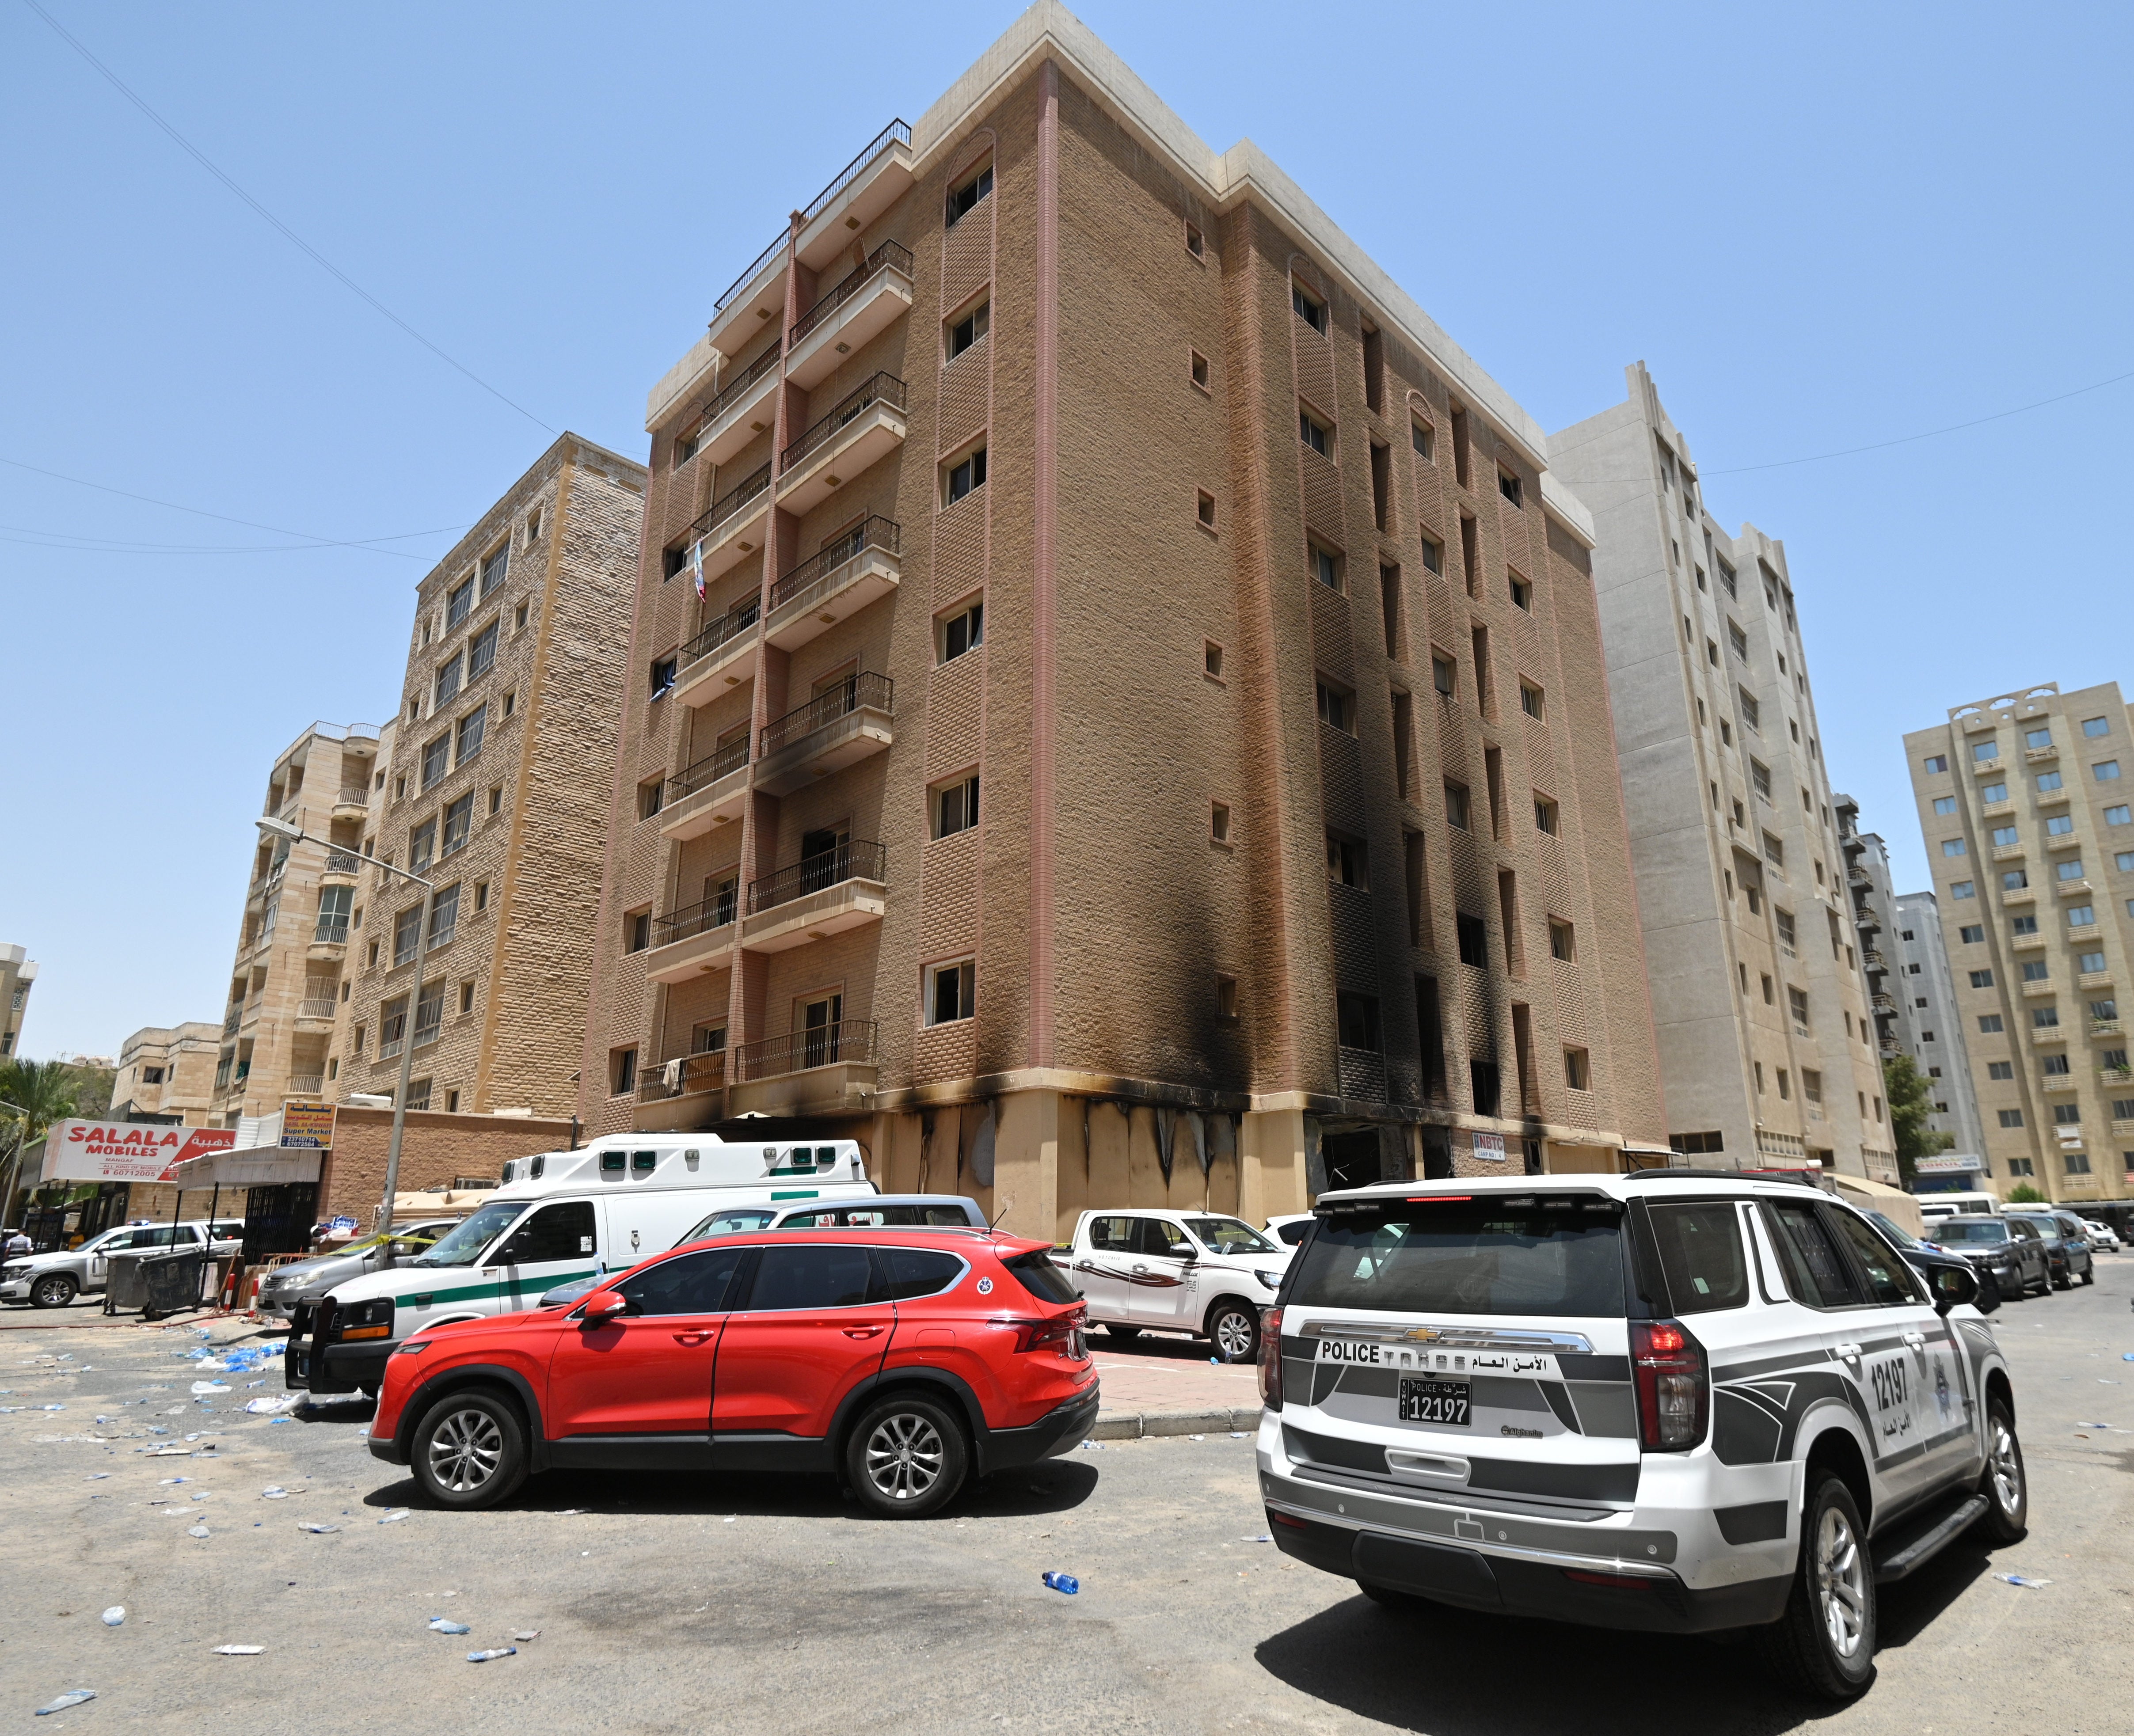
[(1820, 226)]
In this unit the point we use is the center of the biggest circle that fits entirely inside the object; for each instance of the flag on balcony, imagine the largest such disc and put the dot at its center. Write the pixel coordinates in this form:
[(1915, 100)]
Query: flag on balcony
[(697, 569)]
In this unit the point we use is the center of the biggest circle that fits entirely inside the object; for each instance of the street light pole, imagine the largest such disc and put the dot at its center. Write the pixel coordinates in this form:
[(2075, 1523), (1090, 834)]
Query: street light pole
[(296, 835)]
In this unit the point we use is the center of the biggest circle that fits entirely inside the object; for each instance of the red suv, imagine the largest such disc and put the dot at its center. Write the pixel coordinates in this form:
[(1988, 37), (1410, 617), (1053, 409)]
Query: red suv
[(905, 1359)]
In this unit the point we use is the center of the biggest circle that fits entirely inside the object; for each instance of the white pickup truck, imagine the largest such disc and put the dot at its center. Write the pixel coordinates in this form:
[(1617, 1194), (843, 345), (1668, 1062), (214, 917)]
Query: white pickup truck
[(1176, 1271)]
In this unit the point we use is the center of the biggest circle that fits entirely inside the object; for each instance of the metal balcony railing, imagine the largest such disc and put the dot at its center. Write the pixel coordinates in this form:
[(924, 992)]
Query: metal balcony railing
[(331, 933), (888, 257), (740, 496), (895, 132), (848, 861), (316, 1006), (873, 692), (692, 919), (885, 534), (727, 396), (683, 1075), (306, 1084), (748, 275), (343, 862), (352, 795), (880, 388), (708, 770), (733, 623), (821, 1046)]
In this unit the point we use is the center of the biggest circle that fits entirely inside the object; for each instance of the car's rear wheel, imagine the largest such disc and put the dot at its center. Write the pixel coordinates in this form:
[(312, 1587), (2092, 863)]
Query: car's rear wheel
[(2089, 1273), (470, 1451), (2004, 1483), (1824, 1643), (55, 1289), (2065, 1278), (906, 1457), (1122, 1331), (1234, 1330)]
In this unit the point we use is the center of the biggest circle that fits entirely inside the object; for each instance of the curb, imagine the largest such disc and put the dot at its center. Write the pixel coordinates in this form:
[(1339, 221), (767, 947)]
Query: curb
[(1136, 1424)]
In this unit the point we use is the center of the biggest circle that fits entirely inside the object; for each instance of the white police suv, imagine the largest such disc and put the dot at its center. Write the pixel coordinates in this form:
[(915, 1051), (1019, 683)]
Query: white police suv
[(1682, 1400)]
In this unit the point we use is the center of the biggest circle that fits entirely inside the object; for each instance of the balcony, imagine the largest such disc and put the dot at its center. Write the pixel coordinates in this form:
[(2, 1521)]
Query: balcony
[(853, 312), (2063, 841), (231, 1020), (2020, 895), (2104, 1027), (351, 802), (743, 408), (2007, 853), (317, 1006), (731, 528), (2033, 991), (2072, 888), (860, 568), (306, 1084), (1858, 876), (2117, 1075), (708, 794), (2039, 755), (2060, 1082), (821, 895), (865, 426), (1872, 960), (1883, 1004), (1867, 920), (2120, 1130), (341, 866), (712, 662), (832, 731), (825, 1069), (1891, 1048), (2027, 944), (1994, 810), (689, 942), (684, 1092), (2043, 1036), (2094, 980)]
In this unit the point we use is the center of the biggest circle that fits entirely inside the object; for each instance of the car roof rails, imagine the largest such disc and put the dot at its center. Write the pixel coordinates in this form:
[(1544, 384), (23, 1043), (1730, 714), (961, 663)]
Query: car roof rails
[(1799, 1178)]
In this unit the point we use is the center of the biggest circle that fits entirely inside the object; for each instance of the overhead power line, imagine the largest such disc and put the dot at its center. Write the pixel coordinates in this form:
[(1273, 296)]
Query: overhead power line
[(293, 237)]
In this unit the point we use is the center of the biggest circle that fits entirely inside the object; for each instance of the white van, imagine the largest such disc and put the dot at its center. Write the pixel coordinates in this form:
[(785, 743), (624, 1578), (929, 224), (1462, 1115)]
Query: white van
[(560, 1216), (1934, 1206)]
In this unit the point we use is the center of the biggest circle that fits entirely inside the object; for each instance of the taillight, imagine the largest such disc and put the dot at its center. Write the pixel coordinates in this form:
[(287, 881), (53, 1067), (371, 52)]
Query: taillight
[(1061, 1335), (1270, 1359), (1674, 1386)]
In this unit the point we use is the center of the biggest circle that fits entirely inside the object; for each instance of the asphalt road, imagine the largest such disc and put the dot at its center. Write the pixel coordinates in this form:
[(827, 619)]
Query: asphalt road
[(674, 1602)]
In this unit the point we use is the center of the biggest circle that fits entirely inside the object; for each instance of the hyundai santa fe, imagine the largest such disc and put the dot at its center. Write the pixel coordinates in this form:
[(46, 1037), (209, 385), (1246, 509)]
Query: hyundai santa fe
[(1679, 1402)]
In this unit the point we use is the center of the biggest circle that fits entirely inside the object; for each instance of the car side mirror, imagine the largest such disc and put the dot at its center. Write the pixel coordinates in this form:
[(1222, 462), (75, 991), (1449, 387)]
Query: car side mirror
[(600, 1308), (1953, 1284)]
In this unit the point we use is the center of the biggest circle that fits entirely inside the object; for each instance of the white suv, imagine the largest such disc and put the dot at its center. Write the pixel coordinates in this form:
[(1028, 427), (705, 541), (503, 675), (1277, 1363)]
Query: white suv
[(1678, 1401)]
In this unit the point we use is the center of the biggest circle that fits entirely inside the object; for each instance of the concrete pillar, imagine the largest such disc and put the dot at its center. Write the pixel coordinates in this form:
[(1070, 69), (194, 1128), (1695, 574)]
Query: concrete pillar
[(1027, 1162), (1270, 1165)]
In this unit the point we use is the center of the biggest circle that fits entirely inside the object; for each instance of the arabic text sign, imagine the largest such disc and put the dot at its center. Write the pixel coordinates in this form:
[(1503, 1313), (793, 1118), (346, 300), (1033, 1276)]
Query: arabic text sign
[(77, 1150)]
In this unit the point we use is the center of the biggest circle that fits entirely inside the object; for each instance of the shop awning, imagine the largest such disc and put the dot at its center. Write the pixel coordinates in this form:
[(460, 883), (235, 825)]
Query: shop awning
[(247, 1166)]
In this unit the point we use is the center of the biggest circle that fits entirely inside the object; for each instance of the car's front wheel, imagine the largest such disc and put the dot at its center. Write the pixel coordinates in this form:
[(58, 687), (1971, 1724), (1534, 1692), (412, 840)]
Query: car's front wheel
[(470, 1451), (2003, 1482), (1234, 1330), (906, 1457), (55, 1289), (1824, 1643)]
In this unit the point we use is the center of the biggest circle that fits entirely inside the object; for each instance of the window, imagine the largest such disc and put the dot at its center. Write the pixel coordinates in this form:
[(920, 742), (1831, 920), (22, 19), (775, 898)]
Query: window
[(493, 569), (2118, 816), (1546, 817), (2060, 825), (1784, 918), (2018, 925), (407, 934), (1989, 1023), (1196, 243), (1473, 940), (663, 672), (1696, 1145), (2014, 880), (1775, 851), (1226, 996), (955, 807), (636, 931), (2081, 916), (1433, 557), (1315, 433), (1211, 659), (481, 651), (1346, 862), (964, 199), (1455, 804), (1937, 762), (969, 330), (1986, 792), (1760, 775), (1771, 999), (458, 600), (1815, 1273), (1963, 888), (1358, 1018), (1738, 641), (2002, 836), (2103, 1012), (1797, 1005), (470, 729), (621, 1079), (495, 799), (1562, 941), (2047, 781), (1972, 934), (1530, 700), (1577, 1069), (448, 683), (1203, 509), (518, 618), (651, 797), (1507, 486), (1218, 821), (1199, 370), (1337, 707), (964, 630), (2096, 726), (965, 476), (1751, 713), (1522, 593), (444, 919), (1982, 979), (481, 895), (2055, 1066), (1309, 307), (2045, 1018), (1422, 437), (2067, 1115), (1444, 674), (436, 758), (2035, 738), (951, 991), (429, 1014), (2124, 862), (1945, 804), (459, 820)]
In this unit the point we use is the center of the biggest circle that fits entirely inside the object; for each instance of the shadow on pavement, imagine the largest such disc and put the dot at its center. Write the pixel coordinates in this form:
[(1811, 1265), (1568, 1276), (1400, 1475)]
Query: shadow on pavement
[(335, 1408)]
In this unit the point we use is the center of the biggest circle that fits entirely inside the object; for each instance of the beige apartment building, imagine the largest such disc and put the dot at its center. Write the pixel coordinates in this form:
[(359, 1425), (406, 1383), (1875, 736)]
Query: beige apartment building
[(1753, 942), (285, 983), (167, 1071), (494, 788), (2026, 803), (18, 974), (1115, 711)]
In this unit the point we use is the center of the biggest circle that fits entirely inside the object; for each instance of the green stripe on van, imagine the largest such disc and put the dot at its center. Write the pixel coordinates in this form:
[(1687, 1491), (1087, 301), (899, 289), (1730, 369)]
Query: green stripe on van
[(483, 1292)]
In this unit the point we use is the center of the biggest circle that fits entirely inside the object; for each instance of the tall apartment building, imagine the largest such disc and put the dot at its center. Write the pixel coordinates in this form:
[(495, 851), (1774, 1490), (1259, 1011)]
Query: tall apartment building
[(1874, 907), (495, 789), (18, 974), (1933, 1032), (167, 1071), (285, 982), (1114, 712), (1768, 1055), (2028, 814)]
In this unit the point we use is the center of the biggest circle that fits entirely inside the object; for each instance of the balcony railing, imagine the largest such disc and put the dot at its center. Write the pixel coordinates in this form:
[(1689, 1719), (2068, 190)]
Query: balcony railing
[(331, 933), (353, 795), (316, 1006), (822, 1045), (694, 920), (729, 395), (888, 257), (885, 534), (848, 861), (343, 862), (748, 275), (231, 1020), (737, 498), (306, 1084), (866, 690), (734, 622), (684, 1076), (881, 388), (708, 770)]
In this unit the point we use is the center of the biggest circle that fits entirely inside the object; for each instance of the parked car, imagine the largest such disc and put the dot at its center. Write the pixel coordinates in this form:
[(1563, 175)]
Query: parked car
[(2067, 1246), (1926, 1259), (1290, 1229), (1194, 1272), (2101, 1235), (54, 1279), (1673, 1401), (909, 1362), (2008, 1255), (876, 1211), (285, 1287)]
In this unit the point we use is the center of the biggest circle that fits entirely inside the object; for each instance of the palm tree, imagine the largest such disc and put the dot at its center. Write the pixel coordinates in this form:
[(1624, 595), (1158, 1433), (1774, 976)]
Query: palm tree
[(40, 1092)]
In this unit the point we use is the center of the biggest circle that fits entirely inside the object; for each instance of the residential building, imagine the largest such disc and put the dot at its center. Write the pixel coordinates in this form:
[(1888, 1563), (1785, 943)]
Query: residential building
[(1114, 714), (1768, 1054), (285, 981), (1874, 905), (168, 1072), (496, 790), (1933, 1031), (18, 974), (2026, 803)]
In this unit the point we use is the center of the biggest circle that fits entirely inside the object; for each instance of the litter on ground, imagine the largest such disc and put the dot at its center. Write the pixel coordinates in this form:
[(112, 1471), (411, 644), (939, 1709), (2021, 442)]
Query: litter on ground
[(483, 1657), (2025, 1580), (196, 1530), (115, 1616), (238, 1651), (1062, 1581), (440, 1624), (65, 1700), (318, 1529)]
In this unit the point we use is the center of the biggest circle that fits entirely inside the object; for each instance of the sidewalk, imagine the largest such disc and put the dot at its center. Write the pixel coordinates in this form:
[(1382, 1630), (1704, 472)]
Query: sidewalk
[(1163, 1384)]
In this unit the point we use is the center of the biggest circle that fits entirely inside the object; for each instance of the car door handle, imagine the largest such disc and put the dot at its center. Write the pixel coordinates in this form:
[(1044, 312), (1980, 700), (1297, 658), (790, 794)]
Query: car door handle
[(1848, 1353), (691, 1337), (1141, 1268), (861, 1331), (1915, 1340)]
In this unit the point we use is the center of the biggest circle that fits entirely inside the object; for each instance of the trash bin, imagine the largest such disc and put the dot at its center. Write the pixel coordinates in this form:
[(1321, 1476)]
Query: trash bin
[(124, 1283), (171, 1283)]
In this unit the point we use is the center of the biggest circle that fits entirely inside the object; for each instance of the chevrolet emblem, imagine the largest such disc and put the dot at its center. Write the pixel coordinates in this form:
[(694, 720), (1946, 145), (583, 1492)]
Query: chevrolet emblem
[(1423, 1335)]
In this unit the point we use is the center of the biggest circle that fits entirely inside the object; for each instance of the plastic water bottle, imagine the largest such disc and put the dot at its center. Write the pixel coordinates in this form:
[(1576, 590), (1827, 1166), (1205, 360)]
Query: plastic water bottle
[(483, 1657), (1062, 1581)]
